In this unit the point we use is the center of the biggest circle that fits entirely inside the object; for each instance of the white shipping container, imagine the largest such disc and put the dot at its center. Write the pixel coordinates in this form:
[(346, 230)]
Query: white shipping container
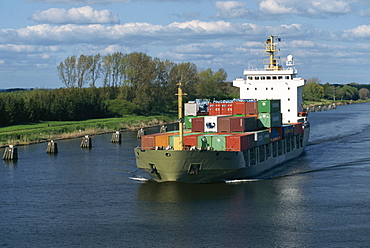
[(210, 123), (191, 109)]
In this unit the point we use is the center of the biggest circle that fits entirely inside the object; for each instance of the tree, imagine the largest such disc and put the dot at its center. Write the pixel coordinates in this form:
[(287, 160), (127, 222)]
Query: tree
[(67, 71), (313, 91), (364, 94), (95, 68), (83, 70)]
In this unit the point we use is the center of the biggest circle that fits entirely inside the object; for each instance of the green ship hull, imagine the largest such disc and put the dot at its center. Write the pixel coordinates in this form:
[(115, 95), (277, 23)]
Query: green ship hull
[(202, 166)]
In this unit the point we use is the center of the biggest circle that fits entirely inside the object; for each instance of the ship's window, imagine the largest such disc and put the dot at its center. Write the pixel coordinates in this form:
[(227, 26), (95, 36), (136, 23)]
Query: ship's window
[(257, 78), (288, 88), (194, 169), (288, 110), (280, 77), (287, 77), (250, 78), (272, 88), (263, 77), (268, 78), (267, 88), (255, 88), (288, 99), (247, 88), (274, 77)]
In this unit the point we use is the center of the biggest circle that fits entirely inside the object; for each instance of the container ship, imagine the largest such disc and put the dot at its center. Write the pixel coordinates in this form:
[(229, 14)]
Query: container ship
[(233, 139)]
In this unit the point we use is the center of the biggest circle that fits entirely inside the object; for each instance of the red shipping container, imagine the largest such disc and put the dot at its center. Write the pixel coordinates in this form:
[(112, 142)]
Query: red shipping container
[(217, 110), (197, 124), (191, 140), (245, 108), (227, 108), (298, 128), (211, 109), (240, 142), (223, 124), (252, 108), (148, 141)]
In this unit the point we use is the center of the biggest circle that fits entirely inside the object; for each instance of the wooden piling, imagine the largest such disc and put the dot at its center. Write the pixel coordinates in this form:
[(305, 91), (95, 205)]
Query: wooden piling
[(140, 133), (86, 142), (116, 137), (10, 153), (163, 129), (52, 147)]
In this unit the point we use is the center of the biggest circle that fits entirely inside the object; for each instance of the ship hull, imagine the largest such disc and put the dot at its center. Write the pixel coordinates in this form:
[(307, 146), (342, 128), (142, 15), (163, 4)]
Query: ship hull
[(201, 166)]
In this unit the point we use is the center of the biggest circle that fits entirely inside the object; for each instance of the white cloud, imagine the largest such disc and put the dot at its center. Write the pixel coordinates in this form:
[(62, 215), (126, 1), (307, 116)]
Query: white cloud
[(231, 9), (332, 7), (362, 31), (276, 7), (82, 15)]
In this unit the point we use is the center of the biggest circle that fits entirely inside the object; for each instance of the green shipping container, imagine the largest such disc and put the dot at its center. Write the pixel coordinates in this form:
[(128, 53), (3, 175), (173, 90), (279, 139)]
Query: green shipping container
[(268, 106), (267, 120), (187, 120), (219, 142)]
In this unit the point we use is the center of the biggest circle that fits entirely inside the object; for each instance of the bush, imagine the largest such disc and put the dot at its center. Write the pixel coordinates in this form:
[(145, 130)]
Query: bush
[(120, 107)]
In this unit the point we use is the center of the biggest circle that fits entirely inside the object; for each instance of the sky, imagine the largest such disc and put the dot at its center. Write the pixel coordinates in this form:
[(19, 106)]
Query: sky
[(329, 39)]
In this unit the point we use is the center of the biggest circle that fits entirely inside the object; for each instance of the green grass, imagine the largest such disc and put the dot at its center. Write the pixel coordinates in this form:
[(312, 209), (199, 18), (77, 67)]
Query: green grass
[(54, 130)]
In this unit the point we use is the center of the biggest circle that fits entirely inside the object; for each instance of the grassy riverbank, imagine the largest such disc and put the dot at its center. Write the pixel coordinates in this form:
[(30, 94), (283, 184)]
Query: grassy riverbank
[(56, 130), (330, 102)]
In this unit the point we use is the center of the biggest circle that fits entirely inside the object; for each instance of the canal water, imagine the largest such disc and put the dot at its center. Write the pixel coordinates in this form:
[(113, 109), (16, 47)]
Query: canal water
[(86, 198)]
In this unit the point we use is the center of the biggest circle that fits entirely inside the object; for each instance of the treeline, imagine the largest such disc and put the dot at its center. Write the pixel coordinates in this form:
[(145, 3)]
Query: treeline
[(133, 84), (149, 83), (314, 91)]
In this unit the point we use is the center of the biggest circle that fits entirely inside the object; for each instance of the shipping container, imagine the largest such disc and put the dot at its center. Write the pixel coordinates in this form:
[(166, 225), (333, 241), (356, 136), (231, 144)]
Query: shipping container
[(197, 124), (211, 123), (275, 133), (261, 137), (175, 139), (268, 106), (223, 125), (214, 109), (245, 108), (240, 142), (163, 139), (191, 109), (243, 124), (218, 142), (227, 108), (188, 121), (191, 140), (287, 130), (267, 120), (148, 142), (298, 128)]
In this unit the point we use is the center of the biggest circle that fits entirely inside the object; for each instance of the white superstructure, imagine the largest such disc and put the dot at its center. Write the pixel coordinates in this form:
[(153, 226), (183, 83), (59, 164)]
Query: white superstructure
[(274, 82)]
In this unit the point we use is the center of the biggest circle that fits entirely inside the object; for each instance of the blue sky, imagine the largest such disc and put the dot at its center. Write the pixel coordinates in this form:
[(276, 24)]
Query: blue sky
[(328, 38)]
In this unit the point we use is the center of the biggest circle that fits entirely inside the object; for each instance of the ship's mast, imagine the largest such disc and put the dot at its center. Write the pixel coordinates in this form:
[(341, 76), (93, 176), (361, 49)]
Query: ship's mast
[(180, 119), (270, 44)]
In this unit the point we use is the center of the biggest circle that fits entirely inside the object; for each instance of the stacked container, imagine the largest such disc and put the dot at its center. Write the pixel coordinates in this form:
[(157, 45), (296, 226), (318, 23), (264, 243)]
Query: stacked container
[(245, 107), (269, 114)]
